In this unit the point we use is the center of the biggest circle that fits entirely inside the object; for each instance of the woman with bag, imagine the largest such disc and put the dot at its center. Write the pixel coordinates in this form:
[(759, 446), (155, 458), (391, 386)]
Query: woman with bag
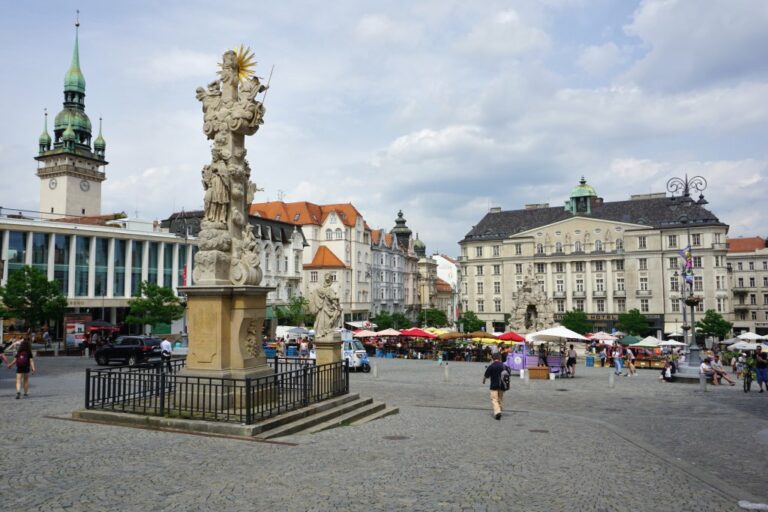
[(24, 363)]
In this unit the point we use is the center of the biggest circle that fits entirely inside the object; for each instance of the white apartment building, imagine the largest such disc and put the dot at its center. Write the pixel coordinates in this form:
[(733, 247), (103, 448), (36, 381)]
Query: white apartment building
[(603, 258), (748, 269), (448, 270), (387, 273)]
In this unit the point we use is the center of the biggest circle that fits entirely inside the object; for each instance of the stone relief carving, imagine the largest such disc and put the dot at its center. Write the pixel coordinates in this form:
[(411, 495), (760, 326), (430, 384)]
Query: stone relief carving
[(253, 342), (229, 253)]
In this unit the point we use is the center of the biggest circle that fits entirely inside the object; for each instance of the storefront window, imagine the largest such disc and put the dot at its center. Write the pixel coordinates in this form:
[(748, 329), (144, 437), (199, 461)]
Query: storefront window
[(40, 251), (61, 262), (137, 256), (182, 265), (118, 285), (102, 261), (17, 250), (153, 261), (168, 265), (82, 264)]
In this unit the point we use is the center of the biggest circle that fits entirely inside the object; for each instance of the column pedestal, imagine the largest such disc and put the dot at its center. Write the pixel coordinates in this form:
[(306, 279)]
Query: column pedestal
[(328, 349)]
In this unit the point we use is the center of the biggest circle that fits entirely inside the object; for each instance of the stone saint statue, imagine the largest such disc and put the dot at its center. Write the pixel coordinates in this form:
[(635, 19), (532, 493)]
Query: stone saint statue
[(326, 308)]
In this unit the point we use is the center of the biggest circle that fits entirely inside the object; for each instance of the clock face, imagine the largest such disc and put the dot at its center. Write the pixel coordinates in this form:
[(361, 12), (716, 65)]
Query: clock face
[(85, 186), (52, 183)]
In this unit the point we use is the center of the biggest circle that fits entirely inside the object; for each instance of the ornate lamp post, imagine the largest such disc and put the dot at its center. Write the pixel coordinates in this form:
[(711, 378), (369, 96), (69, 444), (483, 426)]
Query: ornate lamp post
[(684, 187)]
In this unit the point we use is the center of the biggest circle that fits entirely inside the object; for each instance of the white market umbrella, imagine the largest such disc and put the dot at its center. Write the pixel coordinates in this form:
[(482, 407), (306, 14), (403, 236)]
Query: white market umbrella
[(647, 342), (743, 345), (671, 343), (603, 336), (364, 334), (750, 336), (556, 334), (676, 335), (388, 332)]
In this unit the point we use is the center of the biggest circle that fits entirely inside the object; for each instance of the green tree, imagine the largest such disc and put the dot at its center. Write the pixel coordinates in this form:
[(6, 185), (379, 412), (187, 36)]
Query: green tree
[(434, 317), (30, 296), (713, 324), (577, 322), (400, 321), (633, 322), (469, 320), (383, 321), (154, 304), (295, 313)]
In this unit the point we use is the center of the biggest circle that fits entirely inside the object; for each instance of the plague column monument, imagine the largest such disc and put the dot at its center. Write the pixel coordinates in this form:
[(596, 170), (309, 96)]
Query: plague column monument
[(226, 305)]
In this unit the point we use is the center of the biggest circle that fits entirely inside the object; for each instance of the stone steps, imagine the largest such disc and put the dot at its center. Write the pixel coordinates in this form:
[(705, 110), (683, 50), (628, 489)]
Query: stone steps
[(382, 413), (348, 418)]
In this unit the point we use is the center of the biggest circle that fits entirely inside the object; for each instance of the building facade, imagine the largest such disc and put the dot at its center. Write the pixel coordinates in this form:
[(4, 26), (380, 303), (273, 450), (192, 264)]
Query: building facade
[(748, 269), (448, 271), (387, 274), (603, 258)]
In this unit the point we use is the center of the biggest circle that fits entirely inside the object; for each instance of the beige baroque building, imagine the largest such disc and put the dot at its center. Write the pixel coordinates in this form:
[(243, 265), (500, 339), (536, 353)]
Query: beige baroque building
[(748, 266), (603, 258)]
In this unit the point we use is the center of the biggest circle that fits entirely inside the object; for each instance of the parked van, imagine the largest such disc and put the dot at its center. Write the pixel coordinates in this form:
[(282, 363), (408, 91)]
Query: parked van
[(354, 352)]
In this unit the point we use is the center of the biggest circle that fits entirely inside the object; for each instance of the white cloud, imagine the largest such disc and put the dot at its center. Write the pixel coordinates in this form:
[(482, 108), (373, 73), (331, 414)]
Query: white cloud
[(600, 59), (505, 34), (178, 64), (379, 28)]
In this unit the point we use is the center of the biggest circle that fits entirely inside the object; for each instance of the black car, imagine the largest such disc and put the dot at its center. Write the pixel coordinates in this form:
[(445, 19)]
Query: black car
[(131, 349)]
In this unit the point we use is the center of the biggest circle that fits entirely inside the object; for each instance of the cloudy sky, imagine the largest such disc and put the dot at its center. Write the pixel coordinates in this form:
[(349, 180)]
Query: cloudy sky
[(440, 108)]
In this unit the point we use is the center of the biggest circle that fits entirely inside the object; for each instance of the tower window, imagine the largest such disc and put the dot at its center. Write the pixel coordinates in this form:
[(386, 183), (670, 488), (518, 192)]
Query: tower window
[(83, 210), (51, 210)]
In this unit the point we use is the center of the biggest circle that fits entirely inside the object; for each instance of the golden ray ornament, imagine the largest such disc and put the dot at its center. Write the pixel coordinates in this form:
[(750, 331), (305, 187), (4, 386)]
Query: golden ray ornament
[(245, 62)]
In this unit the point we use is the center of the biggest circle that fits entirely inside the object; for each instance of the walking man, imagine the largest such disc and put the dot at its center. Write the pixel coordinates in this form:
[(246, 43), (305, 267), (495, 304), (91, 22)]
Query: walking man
[(499, 375), (166, 350)]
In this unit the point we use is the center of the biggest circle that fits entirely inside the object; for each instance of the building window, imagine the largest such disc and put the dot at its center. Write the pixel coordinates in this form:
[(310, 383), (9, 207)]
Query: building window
[(620, 284), (40, 252), (579, 285), (720, 304), (644, 306), (539, 248), (518, 268), (621, 305), (17, 250), (672, 263), (698, 284), (478, 252), (674, 284), (598, 245), (152, 260), (600, 305), (464, 286), (751, 282), (496, 250), (82, 265), (329, 234), (700, 307), (496, 270), (599, 284), (719, 261), (577, 246), (644, 283), (333, 276), (518, 249), (740, 282), (599, 266), (339, 234), (137, 256), (518, 284), (479, 288), (675, 305), (697, 261), (102, 260), (559, 248), (751, 265), (497, 287), (765, 299), (61, 262), (313, 276), (619, 264), (672, 241), (541, 268), (479, 270), (619, 244), (497, 305), (559, 286), (696, 239), (641, 242), (754, 315), (578, 305), (167, 265), (560, 305), (480, 306), (739, 266), (578, 266), (560, 267), (642, 264), (752, 299)]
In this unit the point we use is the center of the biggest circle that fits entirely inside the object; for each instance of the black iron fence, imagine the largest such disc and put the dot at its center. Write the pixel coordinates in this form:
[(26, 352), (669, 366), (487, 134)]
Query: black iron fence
[(153, 390)]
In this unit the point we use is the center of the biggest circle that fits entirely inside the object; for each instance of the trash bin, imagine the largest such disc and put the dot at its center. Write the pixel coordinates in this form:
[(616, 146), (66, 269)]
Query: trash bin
[(590, 361), (292, 352)]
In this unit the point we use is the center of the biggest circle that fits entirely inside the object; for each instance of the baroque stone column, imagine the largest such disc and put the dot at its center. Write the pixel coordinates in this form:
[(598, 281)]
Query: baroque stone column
[(226, 305)]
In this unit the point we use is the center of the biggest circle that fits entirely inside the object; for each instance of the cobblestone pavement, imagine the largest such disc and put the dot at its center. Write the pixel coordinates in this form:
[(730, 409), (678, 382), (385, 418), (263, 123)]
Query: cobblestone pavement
[(571, 444)]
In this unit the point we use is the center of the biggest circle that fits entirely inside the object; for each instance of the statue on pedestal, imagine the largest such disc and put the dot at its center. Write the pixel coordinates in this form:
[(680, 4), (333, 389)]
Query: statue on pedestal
[(229, 252), (532, 310), (326, 307)]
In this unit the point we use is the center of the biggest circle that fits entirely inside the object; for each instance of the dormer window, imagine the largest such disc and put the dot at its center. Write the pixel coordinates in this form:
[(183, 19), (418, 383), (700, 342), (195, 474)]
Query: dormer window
[(332, 218)]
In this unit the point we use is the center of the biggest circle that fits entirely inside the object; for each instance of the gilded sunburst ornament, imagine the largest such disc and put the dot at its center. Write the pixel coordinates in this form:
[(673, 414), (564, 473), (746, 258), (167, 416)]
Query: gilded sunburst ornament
[(245, 62)]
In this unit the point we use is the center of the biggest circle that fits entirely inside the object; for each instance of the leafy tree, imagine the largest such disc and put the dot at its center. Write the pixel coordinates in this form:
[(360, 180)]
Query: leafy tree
[(154, 304), (383, 320), (400, 321), (470, 321), (30, 296), (713, 324), (434, 317), (577, 322), (633, 322), (295, 313)]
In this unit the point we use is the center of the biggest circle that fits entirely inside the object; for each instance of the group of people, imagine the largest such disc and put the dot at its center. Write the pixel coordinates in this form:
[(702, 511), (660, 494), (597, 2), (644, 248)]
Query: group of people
[(304, 347), (24, 361), (713, 368)]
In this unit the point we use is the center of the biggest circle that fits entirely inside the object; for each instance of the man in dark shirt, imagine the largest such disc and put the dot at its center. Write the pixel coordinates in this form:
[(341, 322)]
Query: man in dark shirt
[(761, 367), (494, 372)]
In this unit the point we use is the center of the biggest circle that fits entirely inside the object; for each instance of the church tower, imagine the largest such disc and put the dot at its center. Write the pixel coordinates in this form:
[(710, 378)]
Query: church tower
[(70, 171)]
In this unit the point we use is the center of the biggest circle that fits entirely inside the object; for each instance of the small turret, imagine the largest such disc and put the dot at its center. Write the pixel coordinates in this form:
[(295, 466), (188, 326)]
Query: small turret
[(69, 138), (99, 145), (45, 138), (419, 247)]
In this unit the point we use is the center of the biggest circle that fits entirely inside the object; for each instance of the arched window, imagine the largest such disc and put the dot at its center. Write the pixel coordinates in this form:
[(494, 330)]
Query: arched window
[(339, 234), (598, 245), (558, 247), (328, 234), (539, 248), (577, 246)]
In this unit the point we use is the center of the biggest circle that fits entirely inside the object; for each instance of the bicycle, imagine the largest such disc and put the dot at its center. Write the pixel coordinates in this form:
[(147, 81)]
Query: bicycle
[(747, 375)]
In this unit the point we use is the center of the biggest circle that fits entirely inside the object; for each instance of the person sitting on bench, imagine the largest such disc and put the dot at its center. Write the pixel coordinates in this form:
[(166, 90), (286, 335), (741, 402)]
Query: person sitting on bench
[(717, 367), (706, 369)]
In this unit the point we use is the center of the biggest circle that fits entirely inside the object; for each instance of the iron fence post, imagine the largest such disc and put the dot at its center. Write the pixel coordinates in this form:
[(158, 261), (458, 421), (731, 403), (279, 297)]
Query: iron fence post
[(162, 393), (87, 388), (305, 385), (346, 376), (248, 412), (276, 370)]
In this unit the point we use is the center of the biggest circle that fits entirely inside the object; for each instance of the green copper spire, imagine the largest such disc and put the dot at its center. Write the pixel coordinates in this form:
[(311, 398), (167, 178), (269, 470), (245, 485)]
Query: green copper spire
[(45, 138), (99, 145), (74, 81)]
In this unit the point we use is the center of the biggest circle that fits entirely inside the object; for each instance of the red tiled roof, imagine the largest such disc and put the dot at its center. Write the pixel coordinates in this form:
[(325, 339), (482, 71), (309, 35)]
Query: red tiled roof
[(388, 240), (749, 244), (376, 236), (303, 212), (442, 286), (324, 258)]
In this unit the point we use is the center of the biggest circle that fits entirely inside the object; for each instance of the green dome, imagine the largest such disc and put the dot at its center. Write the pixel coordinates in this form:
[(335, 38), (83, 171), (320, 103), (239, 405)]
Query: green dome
[(583, 190), (77, 118), (99, 143), (69, 133), (45, 138)]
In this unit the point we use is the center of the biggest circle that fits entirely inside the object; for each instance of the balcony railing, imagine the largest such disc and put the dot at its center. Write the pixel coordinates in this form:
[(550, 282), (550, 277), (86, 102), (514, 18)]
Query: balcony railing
[(619, 293), (579, 294), (643, 293), (599, 294), (559, 295)]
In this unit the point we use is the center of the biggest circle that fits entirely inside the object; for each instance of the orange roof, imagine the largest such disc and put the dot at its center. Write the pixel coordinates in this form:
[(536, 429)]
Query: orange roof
[(304, 212), (376, 236), (749, 244), (442, 286), (388, 239), (324, 258), (93, 220)]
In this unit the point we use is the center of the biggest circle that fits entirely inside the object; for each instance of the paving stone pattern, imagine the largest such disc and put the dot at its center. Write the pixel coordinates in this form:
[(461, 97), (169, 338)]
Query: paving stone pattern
[(571, 444)]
